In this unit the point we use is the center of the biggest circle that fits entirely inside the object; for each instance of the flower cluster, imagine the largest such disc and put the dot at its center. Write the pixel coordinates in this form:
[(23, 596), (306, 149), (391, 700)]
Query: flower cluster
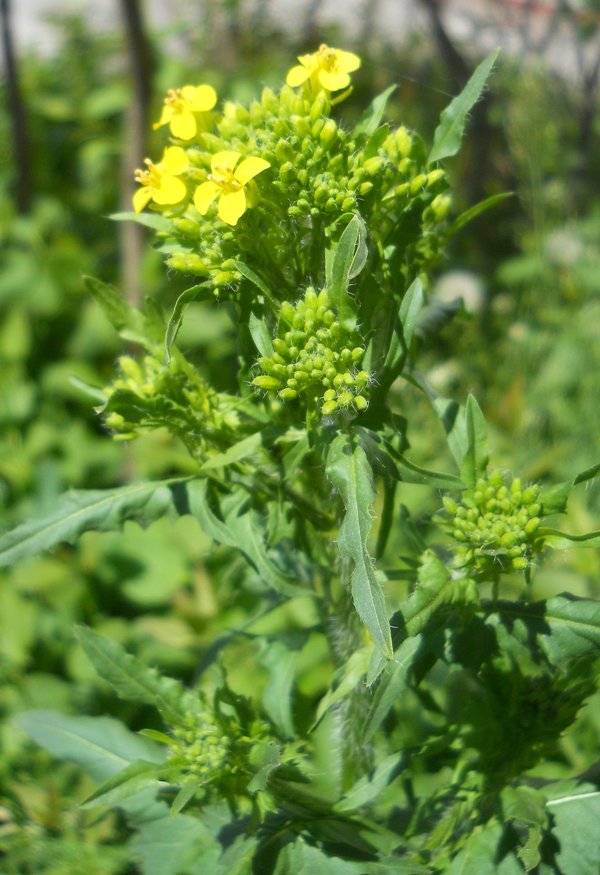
[(313, 354), (496, 525), (282, 170), (150, 393)]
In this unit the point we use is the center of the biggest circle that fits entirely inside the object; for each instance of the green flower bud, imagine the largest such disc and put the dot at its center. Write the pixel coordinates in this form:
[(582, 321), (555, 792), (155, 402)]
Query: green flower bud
[(328, 408), (329, 134), (360, 403), (266, 382), (288, 394)]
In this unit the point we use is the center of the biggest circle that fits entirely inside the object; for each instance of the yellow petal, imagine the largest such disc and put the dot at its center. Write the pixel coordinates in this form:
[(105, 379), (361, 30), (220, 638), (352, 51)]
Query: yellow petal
[(174, 161), (333, 81), (205, 195), (171, 191), (165, 117), (249, 168), (232, 206), (183, 125), (297, 76), (141, 198), (347, 62), (224, 159), (201, 98)]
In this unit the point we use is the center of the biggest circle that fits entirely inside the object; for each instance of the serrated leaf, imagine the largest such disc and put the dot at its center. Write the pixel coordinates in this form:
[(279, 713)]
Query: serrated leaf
[(391, 684), (371, 118), (240, 531), (475, 460), (176, 844), (132, 680), (350, 472), (199, 292), (346, 260), (81, 511), (478, 209), (449, 133), (481, 855), (118, 312), (303, 859), (411, 306)]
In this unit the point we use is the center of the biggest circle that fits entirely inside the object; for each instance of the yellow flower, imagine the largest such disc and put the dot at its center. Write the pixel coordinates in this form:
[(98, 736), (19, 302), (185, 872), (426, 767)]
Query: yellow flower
[(159, 181), (326, 67), (180, 107), (228, 184)]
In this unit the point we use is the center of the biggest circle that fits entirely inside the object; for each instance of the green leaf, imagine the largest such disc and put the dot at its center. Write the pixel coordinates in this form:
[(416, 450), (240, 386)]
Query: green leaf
[(434, 588), (481, 855), (576, 817), (350, 472), (149, 220), (526, 807), (409, 472), (411, 306), (478, 209), (118, 312), (176, 844), (391, 685), (100, 746), (345, 680), (132, 680), (303, 859), (80, 511), (558, 540), (281, 664), (346, 261), (369, 788), (371, 118), (475, 460), (242, 450), (254, 278), (240, 531), (449, 133), (554, 499), (201, 291), (565, 627), (260, 335), (135, 777)]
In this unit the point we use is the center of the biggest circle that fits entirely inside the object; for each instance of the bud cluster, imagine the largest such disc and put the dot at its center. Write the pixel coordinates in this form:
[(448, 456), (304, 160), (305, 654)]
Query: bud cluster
[(214, 750), (150, 394), (315, 355), (495, 525)]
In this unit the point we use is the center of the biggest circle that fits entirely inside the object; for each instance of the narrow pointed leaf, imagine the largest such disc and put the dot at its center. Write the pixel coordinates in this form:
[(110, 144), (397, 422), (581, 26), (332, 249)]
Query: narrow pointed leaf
[(374, 113), (475, 460), (391, 684), (449, 133), (199, 292), (411, 306), (135, 777), (350, 472), (478, 210)]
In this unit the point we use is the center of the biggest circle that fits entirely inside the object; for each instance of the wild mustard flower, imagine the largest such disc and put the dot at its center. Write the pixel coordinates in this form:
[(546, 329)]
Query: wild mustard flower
[(160, 181), (326, 67), (228, 184), (181, 108)]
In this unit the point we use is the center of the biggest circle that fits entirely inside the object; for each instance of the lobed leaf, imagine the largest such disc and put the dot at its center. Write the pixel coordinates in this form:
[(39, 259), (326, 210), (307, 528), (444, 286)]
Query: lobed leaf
[(80, 511)]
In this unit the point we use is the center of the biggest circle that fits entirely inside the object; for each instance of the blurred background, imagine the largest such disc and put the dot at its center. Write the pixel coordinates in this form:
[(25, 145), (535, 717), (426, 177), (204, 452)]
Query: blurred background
[(81, 84)]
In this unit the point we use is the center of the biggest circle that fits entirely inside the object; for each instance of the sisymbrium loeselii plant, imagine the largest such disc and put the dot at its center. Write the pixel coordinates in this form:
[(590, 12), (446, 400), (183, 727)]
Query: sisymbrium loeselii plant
[(433, 740)]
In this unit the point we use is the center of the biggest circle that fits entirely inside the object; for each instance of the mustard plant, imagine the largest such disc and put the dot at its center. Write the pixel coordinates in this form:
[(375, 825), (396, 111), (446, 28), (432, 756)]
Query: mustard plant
[(434, 743)]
